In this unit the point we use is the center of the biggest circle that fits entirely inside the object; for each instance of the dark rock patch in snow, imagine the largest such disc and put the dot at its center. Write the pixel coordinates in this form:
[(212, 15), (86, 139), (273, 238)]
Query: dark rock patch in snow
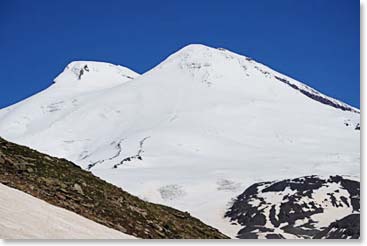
[(346, 228), (138, 155), (295, 208), (81, 72), (118, 149)]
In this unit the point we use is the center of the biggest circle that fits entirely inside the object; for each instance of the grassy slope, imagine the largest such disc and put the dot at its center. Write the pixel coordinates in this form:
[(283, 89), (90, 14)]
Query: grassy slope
[(66, 185)]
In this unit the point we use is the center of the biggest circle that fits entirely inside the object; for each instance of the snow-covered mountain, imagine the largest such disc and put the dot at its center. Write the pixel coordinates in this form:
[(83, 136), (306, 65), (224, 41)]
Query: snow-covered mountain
[(191, 133)]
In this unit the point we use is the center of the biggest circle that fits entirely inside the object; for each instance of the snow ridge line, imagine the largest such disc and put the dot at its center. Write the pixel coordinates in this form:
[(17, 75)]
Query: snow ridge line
[(315, 95)]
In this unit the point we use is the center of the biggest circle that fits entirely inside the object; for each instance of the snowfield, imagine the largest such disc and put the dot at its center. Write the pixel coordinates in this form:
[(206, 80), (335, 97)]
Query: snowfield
[(192, 133), (26, 217)]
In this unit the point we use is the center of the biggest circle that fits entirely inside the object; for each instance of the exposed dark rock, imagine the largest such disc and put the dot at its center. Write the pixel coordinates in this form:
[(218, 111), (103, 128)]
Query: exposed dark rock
[(274, 236), (137, 156), (81, 72), (290, 205), (345, 228), (119, 150)]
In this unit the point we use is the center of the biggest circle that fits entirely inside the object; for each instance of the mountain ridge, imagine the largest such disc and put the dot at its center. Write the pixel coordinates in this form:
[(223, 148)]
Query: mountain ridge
[(192, 132)]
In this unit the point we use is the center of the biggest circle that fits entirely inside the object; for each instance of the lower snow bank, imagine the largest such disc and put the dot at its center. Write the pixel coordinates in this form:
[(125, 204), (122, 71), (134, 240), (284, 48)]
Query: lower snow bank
[(23, 216)]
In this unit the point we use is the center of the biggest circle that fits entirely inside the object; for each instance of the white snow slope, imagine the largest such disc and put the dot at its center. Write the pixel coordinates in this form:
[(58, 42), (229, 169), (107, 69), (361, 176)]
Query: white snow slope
[(23, 216), (191, 133)]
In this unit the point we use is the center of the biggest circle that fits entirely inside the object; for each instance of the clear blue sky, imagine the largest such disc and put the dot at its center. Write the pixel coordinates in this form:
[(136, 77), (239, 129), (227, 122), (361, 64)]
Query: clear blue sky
[(314, 41)]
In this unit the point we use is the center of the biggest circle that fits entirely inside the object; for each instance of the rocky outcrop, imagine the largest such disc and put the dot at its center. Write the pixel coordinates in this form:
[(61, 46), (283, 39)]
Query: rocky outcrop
[(297, 208), (345, 228), (64, 184)]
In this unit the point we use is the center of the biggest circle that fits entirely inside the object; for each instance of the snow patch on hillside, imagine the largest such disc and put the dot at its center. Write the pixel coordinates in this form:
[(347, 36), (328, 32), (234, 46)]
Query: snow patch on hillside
[(23, 216)]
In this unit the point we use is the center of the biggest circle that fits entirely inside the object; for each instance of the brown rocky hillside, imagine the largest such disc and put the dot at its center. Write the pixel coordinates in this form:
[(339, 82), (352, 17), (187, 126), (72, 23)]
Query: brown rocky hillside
[(64, 184)]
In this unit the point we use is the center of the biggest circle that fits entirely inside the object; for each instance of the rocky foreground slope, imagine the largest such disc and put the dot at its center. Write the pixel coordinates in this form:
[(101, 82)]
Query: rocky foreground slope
[(61, 183)]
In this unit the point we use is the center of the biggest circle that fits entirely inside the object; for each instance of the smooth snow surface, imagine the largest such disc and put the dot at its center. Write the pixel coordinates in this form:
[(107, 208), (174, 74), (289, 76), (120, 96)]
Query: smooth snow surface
[(23, 216), (191, 133)]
